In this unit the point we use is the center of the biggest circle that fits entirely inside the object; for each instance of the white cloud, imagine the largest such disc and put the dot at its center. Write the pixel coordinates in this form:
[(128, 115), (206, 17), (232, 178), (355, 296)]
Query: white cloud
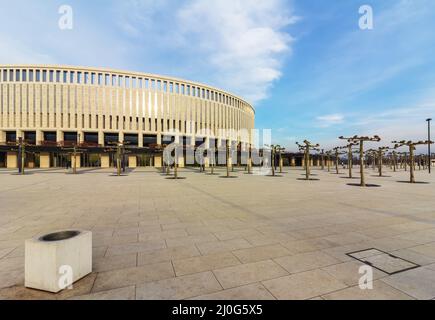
[(242, 40), (330, 119), (238, 45)]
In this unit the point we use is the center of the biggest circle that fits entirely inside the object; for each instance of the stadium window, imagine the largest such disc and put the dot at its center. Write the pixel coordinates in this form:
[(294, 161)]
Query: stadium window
[(171, 87), (182, 89), (58, 76), (65, 76), (24, 75), (38, 75), (86, 78), (165, 86), (44, 75), (159, 85), (30, 75), (71, 77), (93, 78), (188, 90), (133, 83), (79, 77), (127, 82), (51, 75), (107, 80), (17, 75), (100, 79), (11, 75), (140, 80), (5, 75), (113, 80)]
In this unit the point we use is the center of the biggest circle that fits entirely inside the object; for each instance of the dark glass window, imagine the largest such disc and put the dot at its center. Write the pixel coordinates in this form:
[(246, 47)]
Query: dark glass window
[(38, 75), (149, 140), (24, 75), (17, 75), (91, 137), (11, 136), (110, 137), (30, 137), (70, 136), (44, 76), (71, 77), (30, 75), (11, 75), (58, 76), (50, 136), (131, 139), (65, 76)]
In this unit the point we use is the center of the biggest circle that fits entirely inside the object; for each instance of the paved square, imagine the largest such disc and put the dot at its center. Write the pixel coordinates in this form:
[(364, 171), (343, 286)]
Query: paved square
[(253, 237)]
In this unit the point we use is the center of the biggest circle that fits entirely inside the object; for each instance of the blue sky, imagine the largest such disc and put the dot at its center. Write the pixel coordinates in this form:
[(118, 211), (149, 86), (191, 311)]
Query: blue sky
[(305, 64)]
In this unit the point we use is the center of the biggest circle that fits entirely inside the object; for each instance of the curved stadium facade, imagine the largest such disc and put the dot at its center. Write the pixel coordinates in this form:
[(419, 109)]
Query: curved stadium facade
[(53, 108)]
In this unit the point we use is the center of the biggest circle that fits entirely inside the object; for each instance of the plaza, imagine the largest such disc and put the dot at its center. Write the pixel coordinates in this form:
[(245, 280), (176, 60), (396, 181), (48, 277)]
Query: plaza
[(252, 237)]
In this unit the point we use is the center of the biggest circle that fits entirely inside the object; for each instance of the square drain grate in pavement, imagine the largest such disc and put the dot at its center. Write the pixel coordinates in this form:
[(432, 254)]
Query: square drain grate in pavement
[(383, 261)]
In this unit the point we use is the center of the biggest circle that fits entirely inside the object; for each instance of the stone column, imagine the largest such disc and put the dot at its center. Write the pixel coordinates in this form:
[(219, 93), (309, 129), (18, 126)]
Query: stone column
[(11, 160), (132, 161), (44, 160), (105, 161), (75, 159)]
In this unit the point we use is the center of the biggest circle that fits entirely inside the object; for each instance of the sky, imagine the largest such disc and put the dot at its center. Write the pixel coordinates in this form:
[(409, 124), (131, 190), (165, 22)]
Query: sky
[(307, 67)]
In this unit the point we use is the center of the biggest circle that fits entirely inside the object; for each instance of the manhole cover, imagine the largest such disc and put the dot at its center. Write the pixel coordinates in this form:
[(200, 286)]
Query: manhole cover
[(383, 261)]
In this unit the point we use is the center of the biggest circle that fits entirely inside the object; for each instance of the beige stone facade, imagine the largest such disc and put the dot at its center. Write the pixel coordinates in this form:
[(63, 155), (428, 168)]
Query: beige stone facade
[(58, 100)]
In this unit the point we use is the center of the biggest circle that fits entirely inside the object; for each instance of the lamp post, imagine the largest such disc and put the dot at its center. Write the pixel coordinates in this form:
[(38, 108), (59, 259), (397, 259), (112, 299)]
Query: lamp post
[(428, 145)]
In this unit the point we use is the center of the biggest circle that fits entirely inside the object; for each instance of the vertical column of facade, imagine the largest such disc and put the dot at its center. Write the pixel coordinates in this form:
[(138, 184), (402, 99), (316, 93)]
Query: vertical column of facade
[(31, 105), (17, 106), (159, 102), (65, 99), (59, 108), (24, 104)]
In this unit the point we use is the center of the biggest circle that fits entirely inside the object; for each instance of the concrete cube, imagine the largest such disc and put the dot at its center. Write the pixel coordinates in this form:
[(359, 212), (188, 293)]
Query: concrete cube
[(55, 261)]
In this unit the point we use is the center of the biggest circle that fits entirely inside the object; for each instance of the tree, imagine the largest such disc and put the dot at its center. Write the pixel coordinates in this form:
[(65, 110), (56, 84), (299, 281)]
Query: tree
[(337, 158), (74, 152), (379, 154), (412, 147), (322, 154), (119, 148), (328, 159), (350, 157), (307, 146), (361, 140)]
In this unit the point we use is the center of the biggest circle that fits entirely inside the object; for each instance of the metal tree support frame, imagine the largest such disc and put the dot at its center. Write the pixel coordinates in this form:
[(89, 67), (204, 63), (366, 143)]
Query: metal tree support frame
[(361, 140)]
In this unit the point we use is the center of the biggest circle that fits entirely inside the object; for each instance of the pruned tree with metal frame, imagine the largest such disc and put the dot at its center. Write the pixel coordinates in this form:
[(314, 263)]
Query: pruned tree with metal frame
[(361, 140)]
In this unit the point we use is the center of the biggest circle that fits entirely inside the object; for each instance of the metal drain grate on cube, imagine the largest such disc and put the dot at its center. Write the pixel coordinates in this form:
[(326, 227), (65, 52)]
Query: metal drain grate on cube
[(383, 261)]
